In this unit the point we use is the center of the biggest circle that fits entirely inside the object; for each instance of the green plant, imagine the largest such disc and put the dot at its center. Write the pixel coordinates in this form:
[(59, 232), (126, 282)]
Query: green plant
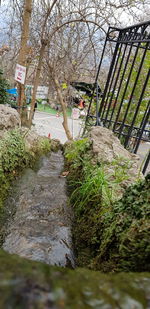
[(75, 151), (94, 191), (4, 97), (12, 150), (44, 145), (13, 156), (121, 166)]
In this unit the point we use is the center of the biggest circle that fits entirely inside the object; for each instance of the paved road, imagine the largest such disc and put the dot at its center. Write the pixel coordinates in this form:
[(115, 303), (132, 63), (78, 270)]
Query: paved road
[(46, 123)]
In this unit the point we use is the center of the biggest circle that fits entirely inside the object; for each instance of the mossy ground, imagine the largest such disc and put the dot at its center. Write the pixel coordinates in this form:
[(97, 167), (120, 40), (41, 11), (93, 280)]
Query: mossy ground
[(110, 234), (26, 284)]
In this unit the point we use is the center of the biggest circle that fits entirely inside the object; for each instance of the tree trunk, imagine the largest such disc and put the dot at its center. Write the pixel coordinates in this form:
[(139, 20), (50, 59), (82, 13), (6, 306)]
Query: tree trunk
[(36, 82), (65, 120), (44, 42), (23, 53)]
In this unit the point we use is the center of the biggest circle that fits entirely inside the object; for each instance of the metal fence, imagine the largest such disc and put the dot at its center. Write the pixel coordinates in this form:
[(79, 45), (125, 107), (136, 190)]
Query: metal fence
[(124, 105)]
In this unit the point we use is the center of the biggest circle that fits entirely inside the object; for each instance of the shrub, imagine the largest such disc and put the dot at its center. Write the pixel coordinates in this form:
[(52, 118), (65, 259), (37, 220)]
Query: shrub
[(4, 98), (12, 150)]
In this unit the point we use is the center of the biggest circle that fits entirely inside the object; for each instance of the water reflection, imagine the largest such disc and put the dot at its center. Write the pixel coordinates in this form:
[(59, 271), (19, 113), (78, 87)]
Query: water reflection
[(40, 229)]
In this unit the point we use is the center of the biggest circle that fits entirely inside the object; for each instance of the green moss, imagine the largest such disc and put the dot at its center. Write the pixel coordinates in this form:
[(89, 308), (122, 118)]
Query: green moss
[(27, 284)]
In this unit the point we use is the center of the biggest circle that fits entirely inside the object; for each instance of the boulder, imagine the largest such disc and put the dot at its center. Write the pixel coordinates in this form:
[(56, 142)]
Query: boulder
[(33, 141), (107, 150), (9, 119), (31, 138)]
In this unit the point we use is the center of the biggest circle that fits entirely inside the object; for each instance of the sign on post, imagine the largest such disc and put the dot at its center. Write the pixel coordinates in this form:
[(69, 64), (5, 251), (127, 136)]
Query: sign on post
[(20, 73), (75, 113)]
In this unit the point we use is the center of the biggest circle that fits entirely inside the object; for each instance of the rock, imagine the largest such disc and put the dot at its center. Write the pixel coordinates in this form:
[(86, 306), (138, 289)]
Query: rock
[(9, 119), (27, 284), (107, 146), (31, 138), (107, 149)]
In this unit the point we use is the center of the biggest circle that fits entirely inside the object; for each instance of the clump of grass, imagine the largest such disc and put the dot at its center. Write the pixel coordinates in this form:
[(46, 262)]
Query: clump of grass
[(44, 145), (75, 151), (94, 191)]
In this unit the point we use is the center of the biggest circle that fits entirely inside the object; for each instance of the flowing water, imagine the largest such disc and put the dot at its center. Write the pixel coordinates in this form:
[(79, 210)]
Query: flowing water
[(41, 227), (40, 230)]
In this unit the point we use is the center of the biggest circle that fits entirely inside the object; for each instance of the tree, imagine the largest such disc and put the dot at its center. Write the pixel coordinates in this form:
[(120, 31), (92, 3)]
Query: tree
[(23, 54), (58, 14), (69, 52), (50, 17)]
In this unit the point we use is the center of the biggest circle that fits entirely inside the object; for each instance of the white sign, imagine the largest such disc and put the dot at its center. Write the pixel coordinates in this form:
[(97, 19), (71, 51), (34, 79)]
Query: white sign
[(42, 92), (75, 113), (20, 73)]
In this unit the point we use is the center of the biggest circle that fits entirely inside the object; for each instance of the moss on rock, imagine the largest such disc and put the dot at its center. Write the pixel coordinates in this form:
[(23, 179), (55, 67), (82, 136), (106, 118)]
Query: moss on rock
[(25, 284)]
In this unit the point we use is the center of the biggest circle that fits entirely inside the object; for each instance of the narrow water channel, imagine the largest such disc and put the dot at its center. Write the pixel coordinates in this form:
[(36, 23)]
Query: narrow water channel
[(41, 227)]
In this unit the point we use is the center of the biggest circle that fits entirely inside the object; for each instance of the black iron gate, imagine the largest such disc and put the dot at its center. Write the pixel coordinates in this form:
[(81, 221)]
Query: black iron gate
[(124, 105)]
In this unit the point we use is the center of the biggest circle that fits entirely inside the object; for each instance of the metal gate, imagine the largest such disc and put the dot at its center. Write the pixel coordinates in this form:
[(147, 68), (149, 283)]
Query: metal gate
[(124, 105)]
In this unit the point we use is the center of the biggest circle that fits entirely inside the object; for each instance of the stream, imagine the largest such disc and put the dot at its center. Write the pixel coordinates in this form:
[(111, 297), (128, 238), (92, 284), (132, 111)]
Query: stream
[(41, 227)]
